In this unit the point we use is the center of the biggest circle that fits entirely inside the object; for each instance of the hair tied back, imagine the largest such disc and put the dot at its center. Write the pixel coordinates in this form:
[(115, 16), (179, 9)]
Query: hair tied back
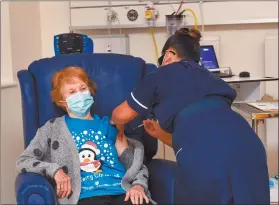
[(193, 33)]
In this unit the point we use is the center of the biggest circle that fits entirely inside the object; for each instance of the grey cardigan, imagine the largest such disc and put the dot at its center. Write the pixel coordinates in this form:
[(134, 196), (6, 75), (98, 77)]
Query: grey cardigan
[(53, 148)]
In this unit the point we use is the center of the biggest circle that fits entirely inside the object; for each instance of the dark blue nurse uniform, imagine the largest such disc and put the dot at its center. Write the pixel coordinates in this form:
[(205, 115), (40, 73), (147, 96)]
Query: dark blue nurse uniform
[(221, 160)]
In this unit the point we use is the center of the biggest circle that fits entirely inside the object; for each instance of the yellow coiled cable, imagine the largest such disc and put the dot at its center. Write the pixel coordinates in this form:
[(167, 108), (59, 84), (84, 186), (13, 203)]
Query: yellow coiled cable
[(194, 15), (154, 42)]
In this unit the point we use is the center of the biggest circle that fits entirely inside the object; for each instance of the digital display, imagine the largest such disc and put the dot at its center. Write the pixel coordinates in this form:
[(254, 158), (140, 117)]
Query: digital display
[(208, 57), (70, 43)]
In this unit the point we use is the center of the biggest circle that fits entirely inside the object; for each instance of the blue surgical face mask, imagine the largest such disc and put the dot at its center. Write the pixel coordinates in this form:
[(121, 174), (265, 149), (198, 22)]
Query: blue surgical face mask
[(79, 103)]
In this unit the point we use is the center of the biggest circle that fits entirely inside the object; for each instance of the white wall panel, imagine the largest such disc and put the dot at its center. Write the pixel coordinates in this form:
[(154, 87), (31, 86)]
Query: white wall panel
[(215, 13), (101, 3), (271, 69), (240, 12), (271, 64), (6, 54)]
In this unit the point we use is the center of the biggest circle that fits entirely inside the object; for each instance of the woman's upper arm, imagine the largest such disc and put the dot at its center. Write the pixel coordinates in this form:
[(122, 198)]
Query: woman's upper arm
[(31, 159), (111, 133), (138, 102), (34, 151), (38, 145)]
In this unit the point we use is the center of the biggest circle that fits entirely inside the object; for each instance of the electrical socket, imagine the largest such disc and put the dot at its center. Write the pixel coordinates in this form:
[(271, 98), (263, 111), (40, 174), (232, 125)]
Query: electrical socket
[(237, 86)]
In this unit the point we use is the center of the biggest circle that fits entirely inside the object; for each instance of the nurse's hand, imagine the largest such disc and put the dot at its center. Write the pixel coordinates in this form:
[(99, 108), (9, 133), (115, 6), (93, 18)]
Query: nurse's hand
[(153, 128)]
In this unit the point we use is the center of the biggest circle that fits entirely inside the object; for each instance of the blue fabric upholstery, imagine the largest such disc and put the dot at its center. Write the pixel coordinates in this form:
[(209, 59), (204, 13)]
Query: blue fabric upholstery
[(116, 76), (29, 106), (34, 189), (161, 183)]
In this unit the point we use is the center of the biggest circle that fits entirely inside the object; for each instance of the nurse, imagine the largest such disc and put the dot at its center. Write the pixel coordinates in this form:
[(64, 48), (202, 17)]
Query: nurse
[(221, 160)]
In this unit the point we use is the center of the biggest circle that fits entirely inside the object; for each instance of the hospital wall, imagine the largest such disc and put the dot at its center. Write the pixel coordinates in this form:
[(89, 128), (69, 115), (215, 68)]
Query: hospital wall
[(32, 27), (31, 31)]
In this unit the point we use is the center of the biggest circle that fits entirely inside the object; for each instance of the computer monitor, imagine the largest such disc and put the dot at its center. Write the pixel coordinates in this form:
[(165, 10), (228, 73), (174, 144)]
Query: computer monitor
[(208, 57)]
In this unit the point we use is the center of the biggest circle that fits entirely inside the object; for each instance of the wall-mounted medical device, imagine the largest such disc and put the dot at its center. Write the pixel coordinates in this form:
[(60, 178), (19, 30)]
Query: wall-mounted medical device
[(151, 14), (67, 43), (132, 15), (174, 23)]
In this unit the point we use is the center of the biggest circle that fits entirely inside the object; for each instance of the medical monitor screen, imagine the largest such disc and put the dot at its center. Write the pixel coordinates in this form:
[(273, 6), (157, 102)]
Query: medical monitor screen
[(208, 57), (70, 43)]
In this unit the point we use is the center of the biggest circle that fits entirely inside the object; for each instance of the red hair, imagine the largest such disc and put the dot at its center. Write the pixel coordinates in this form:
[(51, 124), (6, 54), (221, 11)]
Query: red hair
[(66, 76)]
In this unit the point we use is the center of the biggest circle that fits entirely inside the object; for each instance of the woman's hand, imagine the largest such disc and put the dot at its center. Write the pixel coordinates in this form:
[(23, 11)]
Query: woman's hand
[(137, 195), (63, 184)]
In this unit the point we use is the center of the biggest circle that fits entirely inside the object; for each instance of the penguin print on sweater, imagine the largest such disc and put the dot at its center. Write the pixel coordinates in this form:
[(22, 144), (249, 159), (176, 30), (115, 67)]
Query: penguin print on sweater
[(100, 168)]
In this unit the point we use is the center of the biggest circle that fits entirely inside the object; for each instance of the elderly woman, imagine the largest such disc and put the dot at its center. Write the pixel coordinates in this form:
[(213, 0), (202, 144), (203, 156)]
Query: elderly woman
[(88, 160)]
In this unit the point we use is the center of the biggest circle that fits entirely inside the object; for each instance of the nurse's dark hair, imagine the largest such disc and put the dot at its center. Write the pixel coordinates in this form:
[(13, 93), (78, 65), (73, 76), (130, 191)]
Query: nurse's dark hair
[(186, 43)]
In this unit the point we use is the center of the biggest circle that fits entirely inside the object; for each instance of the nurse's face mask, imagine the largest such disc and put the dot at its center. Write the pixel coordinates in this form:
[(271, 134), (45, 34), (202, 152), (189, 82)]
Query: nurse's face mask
[(166, 58)]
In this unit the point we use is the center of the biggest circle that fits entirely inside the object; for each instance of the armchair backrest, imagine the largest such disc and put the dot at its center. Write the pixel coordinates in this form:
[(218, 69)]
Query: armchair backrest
[(116, 76)]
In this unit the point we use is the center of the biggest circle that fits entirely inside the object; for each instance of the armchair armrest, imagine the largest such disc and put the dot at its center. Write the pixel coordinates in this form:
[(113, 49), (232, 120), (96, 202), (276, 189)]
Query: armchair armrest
[(33, 188), (161, 180)]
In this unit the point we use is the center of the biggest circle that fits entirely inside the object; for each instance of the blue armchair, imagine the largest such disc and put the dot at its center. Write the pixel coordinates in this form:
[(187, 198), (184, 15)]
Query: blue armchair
[(116, 76)]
